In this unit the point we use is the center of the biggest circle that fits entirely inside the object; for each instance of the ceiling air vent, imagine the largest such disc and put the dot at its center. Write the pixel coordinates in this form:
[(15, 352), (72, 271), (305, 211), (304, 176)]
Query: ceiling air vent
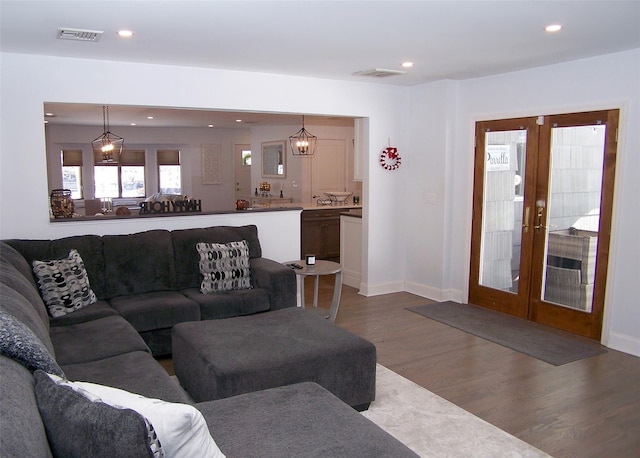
[(379, 72), (79, 34)]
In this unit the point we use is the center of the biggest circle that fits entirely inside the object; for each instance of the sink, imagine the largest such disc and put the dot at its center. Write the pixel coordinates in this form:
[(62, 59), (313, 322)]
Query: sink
[(338, 196)]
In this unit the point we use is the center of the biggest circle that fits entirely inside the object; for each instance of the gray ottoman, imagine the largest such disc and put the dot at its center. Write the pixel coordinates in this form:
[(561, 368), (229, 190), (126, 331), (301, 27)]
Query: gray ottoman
[(218, 359)]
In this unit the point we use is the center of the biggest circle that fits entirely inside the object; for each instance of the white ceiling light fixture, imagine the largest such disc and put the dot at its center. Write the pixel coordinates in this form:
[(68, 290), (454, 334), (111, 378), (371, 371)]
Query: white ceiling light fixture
[(553, 28), (303, 142), (108, 145), (407, 64), (125, 33)]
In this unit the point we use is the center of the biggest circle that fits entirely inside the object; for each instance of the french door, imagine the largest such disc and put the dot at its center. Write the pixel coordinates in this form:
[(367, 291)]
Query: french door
[(543, 193)]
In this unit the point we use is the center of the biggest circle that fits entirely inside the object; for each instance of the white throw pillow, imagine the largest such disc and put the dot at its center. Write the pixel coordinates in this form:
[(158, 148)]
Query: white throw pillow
[(181, 428)]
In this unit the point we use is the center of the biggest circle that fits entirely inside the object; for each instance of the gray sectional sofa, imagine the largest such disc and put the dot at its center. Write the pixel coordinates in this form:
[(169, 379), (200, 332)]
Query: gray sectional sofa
[(108, 343), (152, 279)]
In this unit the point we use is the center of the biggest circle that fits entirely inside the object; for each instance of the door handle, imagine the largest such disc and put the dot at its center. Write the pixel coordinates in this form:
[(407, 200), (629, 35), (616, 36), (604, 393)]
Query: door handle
[(525, 220), (539, 216)]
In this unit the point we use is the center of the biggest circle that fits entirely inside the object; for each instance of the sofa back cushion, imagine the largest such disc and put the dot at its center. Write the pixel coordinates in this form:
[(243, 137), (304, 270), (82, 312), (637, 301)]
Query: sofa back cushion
[(21, 427), (11, 256), (11, 277), (187, 258), (89, 247), (19, 307), (138, 263)]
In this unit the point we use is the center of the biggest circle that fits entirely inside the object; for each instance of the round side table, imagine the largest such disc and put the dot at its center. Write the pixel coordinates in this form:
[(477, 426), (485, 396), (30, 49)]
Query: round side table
[(319, 268)]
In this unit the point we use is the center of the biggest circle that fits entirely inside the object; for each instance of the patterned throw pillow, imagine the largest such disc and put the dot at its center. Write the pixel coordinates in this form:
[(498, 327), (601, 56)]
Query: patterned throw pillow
[(224, 267), (64, 284)]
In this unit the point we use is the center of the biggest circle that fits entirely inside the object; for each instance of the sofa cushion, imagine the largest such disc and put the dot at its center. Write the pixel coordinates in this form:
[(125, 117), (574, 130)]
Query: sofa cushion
[(296, 420), (138, 263), (89, 247), (224, 267), (181, 428), (79, 426), (156, 310), (64, 284), (98, 310), (137, 372), (24, 434), (186, 256), (10, 255), (18, 306), (15, 279), (19, 343), (227, 304), (95, 340)]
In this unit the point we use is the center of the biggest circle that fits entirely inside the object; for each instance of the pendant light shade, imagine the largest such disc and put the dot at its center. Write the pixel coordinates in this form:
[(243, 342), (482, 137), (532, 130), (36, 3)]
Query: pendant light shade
[(303, 143), (108, 145)]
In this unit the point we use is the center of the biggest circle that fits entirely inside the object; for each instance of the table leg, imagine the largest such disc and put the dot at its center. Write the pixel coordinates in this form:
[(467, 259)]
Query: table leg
[(315, 290), (300, 279), (337, 292)]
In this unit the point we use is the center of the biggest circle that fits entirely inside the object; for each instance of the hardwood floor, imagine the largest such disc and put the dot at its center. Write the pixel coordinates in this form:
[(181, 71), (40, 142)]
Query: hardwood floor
[(588, 408)]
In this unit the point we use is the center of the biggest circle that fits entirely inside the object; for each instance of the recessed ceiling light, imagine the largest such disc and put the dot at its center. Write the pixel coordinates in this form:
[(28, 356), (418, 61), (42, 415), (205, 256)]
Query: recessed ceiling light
[(133, 123), (149, 117), (49, 115), (407, 64), (210, 125), (125, 33), (553, 28), (238, 120)]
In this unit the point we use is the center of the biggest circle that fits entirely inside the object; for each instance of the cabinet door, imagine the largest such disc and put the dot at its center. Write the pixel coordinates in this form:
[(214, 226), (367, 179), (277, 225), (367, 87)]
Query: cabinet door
[(312, 239), (332, 239)]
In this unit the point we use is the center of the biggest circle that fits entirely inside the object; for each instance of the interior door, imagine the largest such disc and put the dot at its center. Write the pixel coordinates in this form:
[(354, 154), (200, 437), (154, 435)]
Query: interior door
[(242, 159), (543, 194)]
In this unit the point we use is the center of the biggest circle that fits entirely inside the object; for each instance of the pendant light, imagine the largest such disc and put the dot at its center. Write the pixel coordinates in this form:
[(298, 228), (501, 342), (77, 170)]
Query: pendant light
[(108, 145), (303, 143)]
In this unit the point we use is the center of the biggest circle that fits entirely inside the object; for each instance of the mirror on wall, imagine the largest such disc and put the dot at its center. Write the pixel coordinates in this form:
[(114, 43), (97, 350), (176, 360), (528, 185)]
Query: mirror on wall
[(274, 159)]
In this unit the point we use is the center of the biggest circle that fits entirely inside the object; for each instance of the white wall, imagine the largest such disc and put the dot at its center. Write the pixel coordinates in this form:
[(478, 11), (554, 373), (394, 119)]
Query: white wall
[(611, 81), (408, 243), (29, 80)]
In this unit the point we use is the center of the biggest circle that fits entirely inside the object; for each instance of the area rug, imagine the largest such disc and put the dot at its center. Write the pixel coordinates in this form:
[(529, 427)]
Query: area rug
[(433, 427), (542, 342)]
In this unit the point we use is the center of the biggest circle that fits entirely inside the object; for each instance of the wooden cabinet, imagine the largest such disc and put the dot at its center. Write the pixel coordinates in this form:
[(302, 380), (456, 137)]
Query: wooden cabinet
[(320, 233)]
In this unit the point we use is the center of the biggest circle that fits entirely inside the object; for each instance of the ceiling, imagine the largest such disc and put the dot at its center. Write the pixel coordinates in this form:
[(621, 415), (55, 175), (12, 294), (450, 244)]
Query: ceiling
[(450, 39), (128, 115)]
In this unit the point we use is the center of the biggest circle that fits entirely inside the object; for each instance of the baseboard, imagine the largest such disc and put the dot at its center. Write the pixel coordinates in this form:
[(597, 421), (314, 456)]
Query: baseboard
[(381, 288), (624, 343), (435, 294), (351, 278), (419, 289)]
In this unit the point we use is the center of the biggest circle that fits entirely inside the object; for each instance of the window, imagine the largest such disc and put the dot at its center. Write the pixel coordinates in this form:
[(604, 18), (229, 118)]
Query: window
[(72, 172), (124, 179), (169, 178)]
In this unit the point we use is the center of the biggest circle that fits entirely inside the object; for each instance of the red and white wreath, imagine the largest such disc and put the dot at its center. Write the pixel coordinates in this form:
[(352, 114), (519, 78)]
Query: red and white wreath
[(389, 158)]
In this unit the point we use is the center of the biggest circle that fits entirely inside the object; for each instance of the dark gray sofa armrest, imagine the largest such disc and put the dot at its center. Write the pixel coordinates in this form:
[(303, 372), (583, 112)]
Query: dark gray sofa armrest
[(278, 279)]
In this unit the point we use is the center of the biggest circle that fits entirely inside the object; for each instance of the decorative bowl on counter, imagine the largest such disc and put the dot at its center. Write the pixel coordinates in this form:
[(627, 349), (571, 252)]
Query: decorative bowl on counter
[(339, 197)]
